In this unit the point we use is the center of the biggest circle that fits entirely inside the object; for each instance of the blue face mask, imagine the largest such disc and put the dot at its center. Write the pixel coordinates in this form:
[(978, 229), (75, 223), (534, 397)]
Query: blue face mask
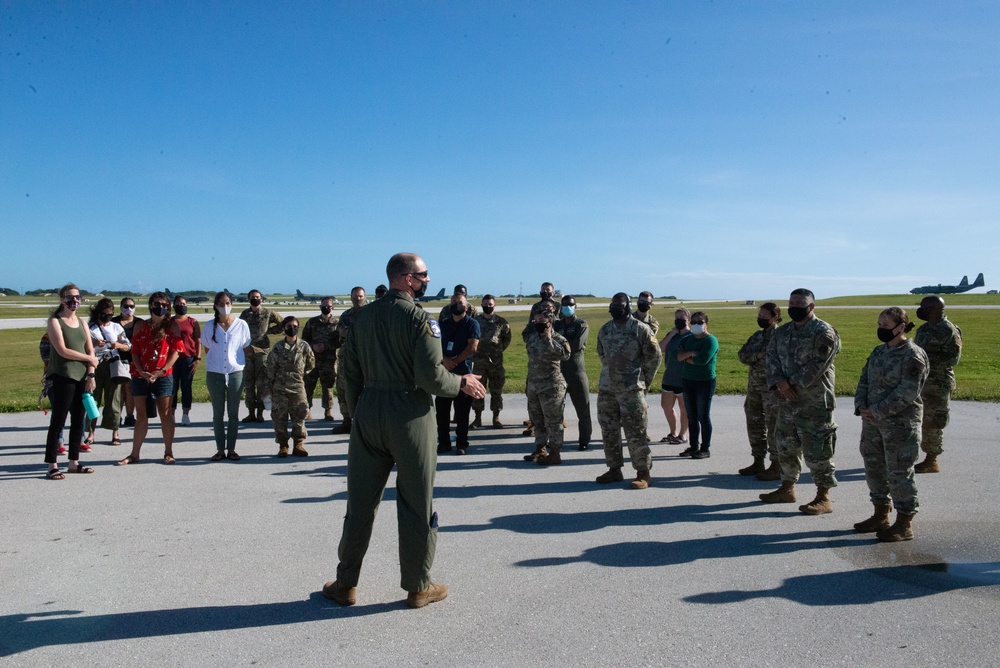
[(568, 311)]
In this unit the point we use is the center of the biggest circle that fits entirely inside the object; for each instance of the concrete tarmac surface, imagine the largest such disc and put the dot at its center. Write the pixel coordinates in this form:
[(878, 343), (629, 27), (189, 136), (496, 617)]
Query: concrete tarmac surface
[(220, 564)]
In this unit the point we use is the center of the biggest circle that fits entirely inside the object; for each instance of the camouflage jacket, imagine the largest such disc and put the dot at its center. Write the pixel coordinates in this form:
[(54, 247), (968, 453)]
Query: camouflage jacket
[(942, 342), (891, 381), (629, 356), (263, 322), (754, 354), (547, 304), (648, 319), (287, 365), (544, 357), (494, 337), (320, 331), (345, 322), (804, 357)]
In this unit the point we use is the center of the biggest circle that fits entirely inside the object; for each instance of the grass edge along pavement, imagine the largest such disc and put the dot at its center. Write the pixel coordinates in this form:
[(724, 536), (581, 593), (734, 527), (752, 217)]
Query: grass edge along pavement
[(978, 374)]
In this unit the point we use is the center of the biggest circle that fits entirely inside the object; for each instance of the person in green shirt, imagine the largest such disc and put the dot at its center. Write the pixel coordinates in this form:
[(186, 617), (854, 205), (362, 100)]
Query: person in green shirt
[(698, 352)]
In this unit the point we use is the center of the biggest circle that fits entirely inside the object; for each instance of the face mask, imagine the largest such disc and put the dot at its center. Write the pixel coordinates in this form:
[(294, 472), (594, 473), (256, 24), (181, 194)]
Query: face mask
[(922, 313), (697, 329), (643, 306), (128, 311), (886, 335), (224, 309), (72, 306), (545, 294), (104, 317), (798, 313), (680, 323), (541, 327), (181, 310), (488, 310), (458, 309), (618, 312), (159, 311), (291, 331), (326, 310), (568, 311), (419, 292), (763, 323), (255, 301)]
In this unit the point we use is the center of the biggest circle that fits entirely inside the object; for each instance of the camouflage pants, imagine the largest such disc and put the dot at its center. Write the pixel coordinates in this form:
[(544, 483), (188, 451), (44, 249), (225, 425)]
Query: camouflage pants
[(494, 377), (545, 409), (889, 449), (289, 405), (254, 378), (761, 411), (937, 410), (628, 411), (578, 389), (806, 432), (325, 373), (342, 388)]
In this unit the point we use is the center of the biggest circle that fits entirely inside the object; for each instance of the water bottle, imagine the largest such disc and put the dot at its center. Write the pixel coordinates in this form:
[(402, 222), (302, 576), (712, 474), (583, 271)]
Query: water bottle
[(267, 403), (90, 405)]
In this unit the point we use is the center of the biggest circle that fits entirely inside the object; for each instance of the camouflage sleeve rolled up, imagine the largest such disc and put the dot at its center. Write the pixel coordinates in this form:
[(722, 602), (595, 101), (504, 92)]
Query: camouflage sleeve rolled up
[(505, 335), (754, 350), (274, 320), (892, 379), (651, 356)]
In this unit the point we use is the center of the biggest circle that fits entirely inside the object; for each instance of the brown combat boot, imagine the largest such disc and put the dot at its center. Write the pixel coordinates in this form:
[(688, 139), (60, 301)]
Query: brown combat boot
[(754, 469), (343, 428), (772, 472), (929, 465), (551, 459), (328, 415), (540, 451), (282, 449), (820, 505), (877, 522), (784, 494), (613, 474), (530, 430), (496, 420), (478, 422), (333, 591), (433, 594), (899, 531), (642, 480), (298, 450)]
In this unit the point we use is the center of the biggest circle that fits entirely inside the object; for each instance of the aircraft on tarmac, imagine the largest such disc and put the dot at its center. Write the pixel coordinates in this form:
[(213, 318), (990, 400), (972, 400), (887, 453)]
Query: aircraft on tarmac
[(431, 298), (939, 289), (312, 299), (235, 298), (190, 300)]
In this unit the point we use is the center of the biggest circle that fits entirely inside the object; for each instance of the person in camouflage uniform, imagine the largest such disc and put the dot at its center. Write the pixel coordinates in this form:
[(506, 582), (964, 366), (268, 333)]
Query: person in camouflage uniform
[(358, 301), (288, 363), (546, 389), (629, 360), (942, 341), (320, 333), (547, 304), (800, 369), (261, 321), (488, 361), (888, 401), (446, 309), (760, 406), (642, 314), (574, 370)]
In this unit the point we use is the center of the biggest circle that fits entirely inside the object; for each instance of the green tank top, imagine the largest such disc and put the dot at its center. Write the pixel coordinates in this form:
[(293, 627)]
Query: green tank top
[(74, 339)]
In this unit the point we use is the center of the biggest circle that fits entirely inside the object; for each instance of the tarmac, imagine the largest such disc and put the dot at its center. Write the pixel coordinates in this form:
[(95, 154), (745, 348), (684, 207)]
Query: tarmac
[(220, 564)]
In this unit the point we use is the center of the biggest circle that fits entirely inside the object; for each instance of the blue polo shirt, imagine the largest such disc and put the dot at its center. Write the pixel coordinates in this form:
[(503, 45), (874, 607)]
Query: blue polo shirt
[(455, 336)]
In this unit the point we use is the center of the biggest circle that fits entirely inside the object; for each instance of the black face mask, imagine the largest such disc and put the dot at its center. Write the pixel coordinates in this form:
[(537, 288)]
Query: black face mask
[(458, 309), (291, 331), (488, 310), (643, 306), (419, 292), (763, 323), (886, 335), (541, 327), (545, 294), (798, 313), (680, 323), (158, 311), (255, 302), (325, 310), (180, 310), (618, 311), (104, 317), (922, 313)]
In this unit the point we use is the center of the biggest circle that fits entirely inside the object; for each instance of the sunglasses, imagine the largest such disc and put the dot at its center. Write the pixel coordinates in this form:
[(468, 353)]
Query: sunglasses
[(73, 298), (163, 304), (418, 274)]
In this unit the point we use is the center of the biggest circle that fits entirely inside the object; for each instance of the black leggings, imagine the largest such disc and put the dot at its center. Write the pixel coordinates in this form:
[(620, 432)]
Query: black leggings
[(66, 397)]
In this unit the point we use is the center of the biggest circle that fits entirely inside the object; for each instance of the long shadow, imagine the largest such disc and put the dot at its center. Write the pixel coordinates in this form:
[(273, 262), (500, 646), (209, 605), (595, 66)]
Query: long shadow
[(874, 585), (41, 427), (24, 632), (470, 492), (659, 553)]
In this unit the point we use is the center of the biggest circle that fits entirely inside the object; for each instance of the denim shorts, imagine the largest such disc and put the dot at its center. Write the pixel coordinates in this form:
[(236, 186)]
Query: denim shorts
[(161, 387)]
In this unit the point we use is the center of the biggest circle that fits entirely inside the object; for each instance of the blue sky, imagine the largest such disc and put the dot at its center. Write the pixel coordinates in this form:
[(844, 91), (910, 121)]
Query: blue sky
[(704, 150)]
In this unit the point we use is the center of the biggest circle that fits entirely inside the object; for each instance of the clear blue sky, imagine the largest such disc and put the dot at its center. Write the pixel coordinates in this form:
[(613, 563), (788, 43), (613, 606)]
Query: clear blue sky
[(705, 150)]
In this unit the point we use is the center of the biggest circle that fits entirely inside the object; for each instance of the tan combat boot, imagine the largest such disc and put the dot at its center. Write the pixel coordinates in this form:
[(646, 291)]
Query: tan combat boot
[(772, 472), (899, 531), (298, 450), (754, 469), (283, 448), (530, 430), (877, 522), (340, 595), (551, 459), (478, 422), (784, 494), (642, 480), (613, 474), (929, 465), (821, 504), (496, 420), (433, 594), (540, 451)]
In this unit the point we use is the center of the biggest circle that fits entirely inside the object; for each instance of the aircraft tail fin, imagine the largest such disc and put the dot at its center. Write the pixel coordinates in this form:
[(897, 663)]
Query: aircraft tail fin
[(980, 281), (299, 295), (964, 282), (440, 295)]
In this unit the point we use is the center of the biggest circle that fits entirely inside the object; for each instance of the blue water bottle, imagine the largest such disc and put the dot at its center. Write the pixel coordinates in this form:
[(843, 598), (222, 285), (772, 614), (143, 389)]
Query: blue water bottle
[(90, 405)]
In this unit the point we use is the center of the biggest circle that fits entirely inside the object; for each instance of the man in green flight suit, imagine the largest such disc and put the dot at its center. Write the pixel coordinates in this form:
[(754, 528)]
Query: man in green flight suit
[(392, 369)]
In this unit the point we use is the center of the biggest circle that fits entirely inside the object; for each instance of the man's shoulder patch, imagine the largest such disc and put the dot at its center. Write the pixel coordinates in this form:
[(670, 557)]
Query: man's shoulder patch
[(434, 328)]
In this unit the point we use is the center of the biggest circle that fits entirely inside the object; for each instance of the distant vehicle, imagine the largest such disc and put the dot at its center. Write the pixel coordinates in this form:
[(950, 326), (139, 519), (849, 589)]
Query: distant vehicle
[(190, 300), (312, 299), (991, 292), (963, 286), (427, 298)]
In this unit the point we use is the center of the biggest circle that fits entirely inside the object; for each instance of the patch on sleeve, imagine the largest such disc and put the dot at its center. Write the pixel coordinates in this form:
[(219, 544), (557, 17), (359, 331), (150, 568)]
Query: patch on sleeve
[(434, 328)]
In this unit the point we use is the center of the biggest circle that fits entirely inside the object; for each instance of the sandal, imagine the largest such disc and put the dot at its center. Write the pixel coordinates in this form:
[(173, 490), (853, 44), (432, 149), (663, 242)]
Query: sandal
[(85, 447), (233, 456), (80, 468), (218, 456), (55, 474), (169, 459), (128, 460), (116, 441)]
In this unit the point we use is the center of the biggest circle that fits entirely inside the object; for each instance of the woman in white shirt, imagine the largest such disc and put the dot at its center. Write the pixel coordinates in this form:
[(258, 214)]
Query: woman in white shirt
[(109, 342), (224, 340)]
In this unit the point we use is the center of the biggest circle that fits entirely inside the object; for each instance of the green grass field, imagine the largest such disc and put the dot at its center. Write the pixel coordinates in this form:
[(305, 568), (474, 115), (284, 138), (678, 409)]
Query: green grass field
[(978, 374)]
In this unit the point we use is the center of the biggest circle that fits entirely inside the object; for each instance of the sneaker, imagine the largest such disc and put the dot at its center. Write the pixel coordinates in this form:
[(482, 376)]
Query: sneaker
[(433, 594), (129, 421), (688, 453), (186, 420), (701, 454), (460, 451)]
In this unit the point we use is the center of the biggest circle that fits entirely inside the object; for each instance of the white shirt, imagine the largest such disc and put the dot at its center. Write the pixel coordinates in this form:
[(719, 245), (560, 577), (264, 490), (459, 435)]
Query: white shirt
[(103, 333), (225, 354)]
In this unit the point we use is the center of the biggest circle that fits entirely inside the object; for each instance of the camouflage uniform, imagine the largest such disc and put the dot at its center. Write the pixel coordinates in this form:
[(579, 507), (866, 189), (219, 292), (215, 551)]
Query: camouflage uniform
[(263, 322), (546, 389), (890, 386), (629, 360), (648, 319), (575, 372), (549, 305), (495, 336), (343, 331), (287, 366), (942, 342), (760, 406), (805, 427), (321, 331)]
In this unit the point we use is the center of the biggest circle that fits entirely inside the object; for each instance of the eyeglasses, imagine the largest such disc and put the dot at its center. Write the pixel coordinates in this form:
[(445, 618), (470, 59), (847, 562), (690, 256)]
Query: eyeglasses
[(418, 274)]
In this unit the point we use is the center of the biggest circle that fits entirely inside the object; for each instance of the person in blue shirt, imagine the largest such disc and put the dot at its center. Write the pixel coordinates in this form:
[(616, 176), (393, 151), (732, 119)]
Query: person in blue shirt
[(459, 340)]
